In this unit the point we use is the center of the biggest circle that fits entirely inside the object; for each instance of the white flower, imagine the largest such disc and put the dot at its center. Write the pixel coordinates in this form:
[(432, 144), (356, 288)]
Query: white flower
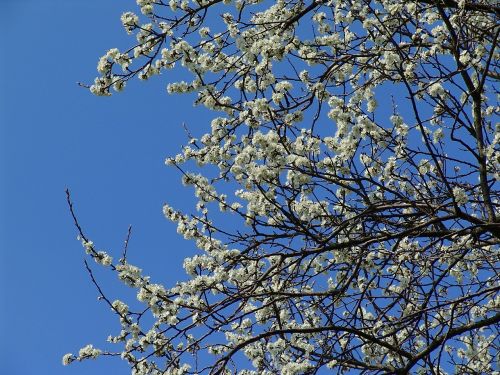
[(89, 246), (371, 104), (424, 166), (283, 86), (129, 21), (332, 363), (465, 57), (436, 90), (67, 359), (120, 307), (438, 135), (204, 31), (89, 352), (460, 195), (103, 258), (129, 274)]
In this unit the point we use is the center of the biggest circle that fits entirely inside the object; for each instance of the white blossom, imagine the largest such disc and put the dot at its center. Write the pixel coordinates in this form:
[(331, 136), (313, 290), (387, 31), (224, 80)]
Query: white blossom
[(460, 195), (67, 359), (89, 351), (345, 188)]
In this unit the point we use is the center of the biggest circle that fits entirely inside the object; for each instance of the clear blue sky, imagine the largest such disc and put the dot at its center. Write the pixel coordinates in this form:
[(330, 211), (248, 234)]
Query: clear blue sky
[(108, 151)]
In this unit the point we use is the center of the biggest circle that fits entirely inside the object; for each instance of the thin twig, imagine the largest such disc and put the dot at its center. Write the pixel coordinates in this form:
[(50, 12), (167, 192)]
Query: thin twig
[(75, 220), (125, 247)]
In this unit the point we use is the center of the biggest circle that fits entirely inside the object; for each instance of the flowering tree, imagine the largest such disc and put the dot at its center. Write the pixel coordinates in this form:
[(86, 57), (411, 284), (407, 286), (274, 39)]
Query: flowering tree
[(355, 151)]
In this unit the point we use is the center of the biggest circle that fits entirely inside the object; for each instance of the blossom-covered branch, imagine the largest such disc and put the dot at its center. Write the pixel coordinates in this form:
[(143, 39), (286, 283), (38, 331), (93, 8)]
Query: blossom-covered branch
[(357, 158)]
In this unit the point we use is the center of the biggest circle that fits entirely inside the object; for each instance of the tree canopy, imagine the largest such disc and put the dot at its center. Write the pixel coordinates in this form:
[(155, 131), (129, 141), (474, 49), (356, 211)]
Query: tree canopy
[(348, 203)]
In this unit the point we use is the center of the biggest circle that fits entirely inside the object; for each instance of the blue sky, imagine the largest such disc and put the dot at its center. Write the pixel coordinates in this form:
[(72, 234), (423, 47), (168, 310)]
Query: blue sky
[(108, 151)]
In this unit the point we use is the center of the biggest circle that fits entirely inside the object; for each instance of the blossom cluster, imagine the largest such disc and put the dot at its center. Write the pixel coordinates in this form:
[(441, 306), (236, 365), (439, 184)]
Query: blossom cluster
[(357, 161)]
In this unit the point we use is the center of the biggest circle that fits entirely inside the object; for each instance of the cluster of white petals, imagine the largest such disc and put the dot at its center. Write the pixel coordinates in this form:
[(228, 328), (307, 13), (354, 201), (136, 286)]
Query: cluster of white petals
[(347, 208)]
